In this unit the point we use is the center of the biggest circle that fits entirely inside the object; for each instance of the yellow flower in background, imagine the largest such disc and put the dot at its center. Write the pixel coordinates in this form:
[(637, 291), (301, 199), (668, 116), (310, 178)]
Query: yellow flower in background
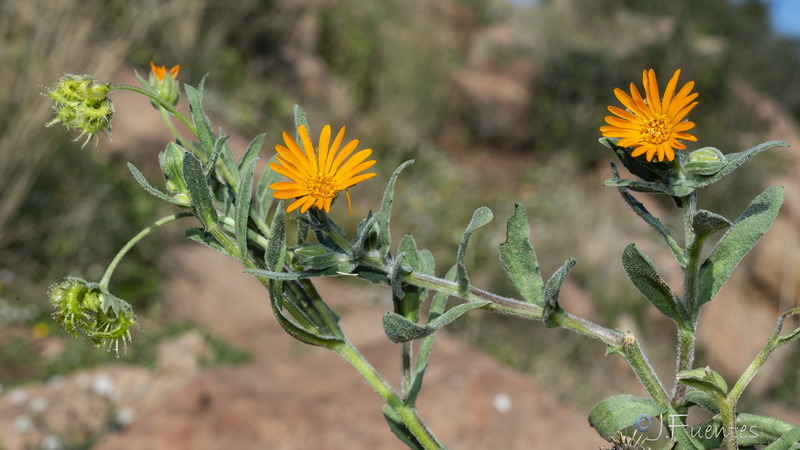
[(650, 125), (161, 71), (318, 176), (166, 87)]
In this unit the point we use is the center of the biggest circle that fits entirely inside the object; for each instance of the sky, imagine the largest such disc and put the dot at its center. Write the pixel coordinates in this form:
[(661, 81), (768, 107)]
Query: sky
[(785, 16)]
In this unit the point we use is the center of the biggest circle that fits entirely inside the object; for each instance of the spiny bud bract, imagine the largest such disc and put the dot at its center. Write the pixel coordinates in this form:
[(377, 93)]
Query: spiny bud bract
[(81, 103)]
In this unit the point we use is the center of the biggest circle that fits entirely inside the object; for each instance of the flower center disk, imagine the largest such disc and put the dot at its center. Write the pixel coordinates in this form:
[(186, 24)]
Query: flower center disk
[(656, 130), (321, 186)]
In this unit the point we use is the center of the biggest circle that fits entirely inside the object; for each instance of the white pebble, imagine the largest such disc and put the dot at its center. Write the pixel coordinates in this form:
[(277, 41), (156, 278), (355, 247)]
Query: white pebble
[(502, 403)]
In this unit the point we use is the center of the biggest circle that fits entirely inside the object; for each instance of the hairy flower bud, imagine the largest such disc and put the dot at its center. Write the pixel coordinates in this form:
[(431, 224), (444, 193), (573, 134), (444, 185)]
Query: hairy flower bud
[(165, 86), (705, 161), (81, 103), (84, 307), (171, 161)]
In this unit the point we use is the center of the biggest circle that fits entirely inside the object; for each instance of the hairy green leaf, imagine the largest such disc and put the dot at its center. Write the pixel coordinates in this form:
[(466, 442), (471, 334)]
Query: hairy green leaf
[(197, 184), (645, 277), (199, 118), (400, 329), (737, 242), (706, 223), (480, 217), (519, 258), (139, 177), (732, 162), (704, 379), (243, 207), (384, 235), (553, 289), (622, 411)]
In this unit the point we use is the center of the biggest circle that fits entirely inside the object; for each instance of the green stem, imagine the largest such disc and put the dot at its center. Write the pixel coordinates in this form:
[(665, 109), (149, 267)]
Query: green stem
[(171, 126), (407, 413), (727, 411), (164, 104), (686, 332), (134, 240)]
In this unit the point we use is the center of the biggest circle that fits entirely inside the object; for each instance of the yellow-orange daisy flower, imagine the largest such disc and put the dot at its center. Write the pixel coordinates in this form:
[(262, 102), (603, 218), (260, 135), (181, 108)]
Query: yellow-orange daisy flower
[(318, 176), (650, 125), (161, 71)]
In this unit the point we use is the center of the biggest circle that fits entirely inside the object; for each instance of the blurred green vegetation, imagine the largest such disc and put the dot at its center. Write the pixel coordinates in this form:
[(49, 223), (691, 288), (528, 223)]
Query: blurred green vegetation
[(498, 104)]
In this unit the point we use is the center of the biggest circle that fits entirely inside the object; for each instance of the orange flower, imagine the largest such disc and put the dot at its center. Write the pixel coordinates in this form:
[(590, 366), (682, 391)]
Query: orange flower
[(650, 125), (161, 71), (318, 177)]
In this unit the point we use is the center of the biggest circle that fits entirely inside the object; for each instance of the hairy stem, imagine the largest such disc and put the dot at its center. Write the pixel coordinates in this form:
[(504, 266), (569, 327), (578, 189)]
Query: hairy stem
[(134, 240)]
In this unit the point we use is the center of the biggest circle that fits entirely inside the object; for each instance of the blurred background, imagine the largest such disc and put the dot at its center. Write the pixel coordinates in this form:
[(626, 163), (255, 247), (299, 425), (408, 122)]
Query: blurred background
[(499, 103)]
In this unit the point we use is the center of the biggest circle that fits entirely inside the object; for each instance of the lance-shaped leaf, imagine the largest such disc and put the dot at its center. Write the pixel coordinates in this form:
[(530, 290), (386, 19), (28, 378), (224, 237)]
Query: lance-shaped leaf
[(243, 207), (737, 242), (264, 197), (480, 217), (645, 277), (675, 189), (438, 307), (651, 220), (198, 191), (553, 289), (622, 411), (199, 118), (300, 119), (205, 238), (732, 162), (231, 171), (519, 258), (399, 329), (751, 430), (139, 177), (384, 235), (400, 429), (251, 152)]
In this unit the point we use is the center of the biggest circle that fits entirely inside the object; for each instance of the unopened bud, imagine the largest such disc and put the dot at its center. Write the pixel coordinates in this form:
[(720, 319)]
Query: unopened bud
[(165, 86)]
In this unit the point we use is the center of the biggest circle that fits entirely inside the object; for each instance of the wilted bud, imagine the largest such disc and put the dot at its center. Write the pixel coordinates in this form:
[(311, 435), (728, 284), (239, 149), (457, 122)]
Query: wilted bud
[(81, 103), (165, 86), (171, 160), (706, 161), (84, 307)]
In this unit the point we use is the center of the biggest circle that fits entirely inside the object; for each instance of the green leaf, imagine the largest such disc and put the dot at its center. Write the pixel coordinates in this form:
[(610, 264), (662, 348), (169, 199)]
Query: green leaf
[(646, 170), (645, 277), (732, 162), (519, 259), (706, 223), (737, 242), (675, 189), (199, 118), (651, 220), (243, 207), (205, 238), (276, 247), (139, 177), (622, 411), (300, 119), (315, 256), (228, 162), (264, 197), (400, 429), (145, 85), (701, 399), (251, 153), (480, 217), (219, 145), (789, 440), (706, 380), (400, 329), (198, 192), (553, 289), (384, 235), (438, 307)]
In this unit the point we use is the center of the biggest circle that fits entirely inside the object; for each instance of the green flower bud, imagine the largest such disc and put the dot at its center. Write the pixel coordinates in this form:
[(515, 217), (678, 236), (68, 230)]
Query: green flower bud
[(165, 86), (84, 307), (706, 161), (171, 161), (81, 103)]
